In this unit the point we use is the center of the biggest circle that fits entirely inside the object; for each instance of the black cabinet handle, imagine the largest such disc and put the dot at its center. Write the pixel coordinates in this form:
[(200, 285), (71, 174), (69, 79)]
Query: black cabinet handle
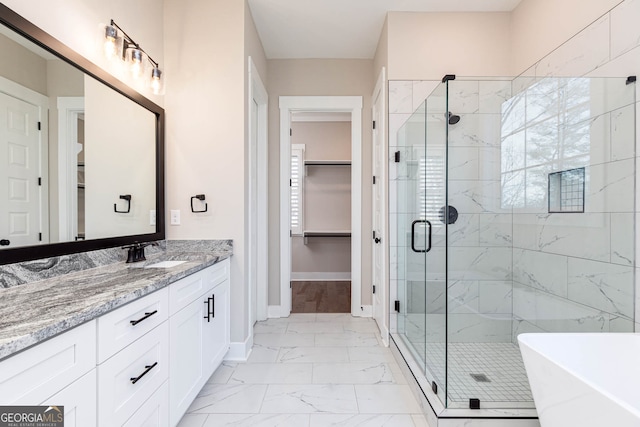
[(146, 316), (5, 242), (211, 307), (146, 371)]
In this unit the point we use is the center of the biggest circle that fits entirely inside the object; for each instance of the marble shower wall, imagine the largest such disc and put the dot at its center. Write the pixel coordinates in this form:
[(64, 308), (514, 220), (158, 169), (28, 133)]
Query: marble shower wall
[(578, 272), (571, 271)]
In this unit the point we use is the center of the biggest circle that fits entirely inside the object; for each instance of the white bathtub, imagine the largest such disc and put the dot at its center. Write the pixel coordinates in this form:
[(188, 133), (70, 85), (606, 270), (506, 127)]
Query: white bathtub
[(584, 380)]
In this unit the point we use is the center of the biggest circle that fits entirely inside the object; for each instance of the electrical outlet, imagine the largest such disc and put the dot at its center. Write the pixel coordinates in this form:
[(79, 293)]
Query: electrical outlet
[(175, 217), (152, 217)]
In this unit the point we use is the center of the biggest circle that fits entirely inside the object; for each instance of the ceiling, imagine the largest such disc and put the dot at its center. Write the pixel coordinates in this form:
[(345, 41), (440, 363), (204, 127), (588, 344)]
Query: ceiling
[(342, 28)]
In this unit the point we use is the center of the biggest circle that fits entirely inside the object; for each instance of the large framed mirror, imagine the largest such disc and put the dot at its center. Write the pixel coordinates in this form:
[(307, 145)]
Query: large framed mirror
[(81, 153)]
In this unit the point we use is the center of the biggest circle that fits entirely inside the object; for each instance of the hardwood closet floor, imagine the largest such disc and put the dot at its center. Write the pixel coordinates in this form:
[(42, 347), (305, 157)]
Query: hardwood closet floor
[(321, 297)]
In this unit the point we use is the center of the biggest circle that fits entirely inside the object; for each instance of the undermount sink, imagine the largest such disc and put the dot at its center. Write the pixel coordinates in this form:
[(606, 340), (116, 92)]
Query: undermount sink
[(164, 264), (584, 379)]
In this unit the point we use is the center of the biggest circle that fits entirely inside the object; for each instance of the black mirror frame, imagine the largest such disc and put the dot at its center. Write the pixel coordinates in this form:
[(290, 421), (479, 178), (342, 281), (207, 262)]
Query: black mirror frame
[(28, 30)]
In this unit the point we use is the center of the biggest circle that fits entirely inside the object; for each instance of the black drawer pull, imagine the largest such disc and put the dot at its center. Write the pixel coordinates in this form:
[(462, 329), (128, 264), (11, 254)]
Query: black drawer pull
[(147, 369), (146, 316)]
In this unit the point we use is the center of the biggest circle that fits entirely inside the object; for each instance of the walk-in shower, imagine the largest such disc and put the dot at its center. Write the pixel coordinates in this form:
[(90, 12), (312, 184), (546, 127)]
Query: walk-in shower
[(541, 176)]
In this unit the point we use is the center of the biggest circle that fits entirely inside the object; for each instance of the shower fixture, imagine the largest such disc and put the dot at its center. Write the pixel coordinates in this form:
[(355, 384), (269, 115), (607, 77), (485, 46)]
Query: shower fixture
[(453, 118)]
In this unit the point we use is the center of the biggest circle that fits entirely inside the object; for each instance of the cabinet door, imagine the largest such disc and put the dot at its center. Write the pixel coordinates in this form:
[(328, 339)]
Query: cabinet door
[(186, 332), (154, 412), (79, 401), (217, 330)]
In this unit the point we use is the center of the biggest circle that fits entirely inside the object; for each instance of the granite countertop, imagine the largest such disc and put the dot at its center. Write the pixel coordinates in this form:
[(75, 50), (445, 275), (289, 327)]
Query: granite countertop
[(39, 310)]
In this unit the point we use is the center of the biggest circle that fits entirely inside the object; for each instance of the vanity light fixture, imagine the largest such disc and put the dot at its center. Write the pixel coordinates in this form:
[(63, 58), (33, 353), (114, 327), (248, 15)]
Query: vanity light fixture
[(131, 52)]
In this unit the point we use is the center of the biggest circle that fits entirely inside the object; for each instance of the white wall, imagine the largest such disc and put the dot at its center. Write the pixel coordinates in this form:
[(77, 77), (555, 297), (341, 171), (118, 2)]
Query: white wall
[(207, 45), (560, 20), (426, 46)]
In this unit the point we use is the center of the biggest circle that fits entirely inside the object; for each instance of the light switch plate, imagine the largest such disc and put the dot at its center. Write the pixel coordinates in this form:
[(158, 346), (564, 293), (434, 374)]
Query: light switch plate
[(175, 217)]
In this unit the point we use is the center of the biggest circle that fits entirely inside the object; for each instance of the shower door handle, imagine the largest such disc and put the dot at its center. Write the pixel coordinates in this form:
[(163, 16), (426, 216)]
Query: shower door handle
[(413, 236)]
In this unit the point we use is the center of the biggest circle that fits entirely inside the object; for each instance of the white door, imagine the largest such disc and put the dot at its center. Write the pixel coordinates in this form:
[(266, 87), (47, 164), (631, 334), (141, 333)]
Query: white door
[(378, 220), (20, 198)]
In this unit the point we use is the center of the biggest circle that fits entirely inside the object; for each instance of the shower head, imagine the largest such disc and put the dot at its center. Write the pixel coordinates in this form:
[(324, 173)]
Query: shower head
[(453, 118)]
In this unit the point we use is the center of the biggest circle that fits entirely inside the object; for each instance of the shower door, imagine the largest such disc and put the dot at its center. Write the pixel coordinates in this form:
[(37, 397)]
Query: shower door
[(421, 203)]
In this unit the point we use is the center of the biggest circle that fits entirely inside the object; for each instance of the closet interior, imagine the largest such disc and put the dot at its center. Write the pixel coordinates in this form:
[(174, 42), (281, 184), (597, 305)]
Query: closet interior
[(321, 213)]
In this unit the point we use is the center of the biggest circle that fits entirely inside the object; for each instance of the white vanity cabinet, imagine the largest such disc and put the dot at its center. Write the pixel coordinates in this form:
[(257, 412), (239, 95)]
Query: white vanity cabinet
[(140, 365), (199, 334), (58, 372)]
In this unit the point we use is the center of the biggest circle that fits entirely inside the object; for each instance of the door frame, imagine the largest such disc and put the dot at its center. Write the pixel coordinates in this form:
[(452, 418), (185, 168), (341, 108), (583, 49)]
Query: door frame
[(379, 92), (321, 104), (41, 101), (258, 92), (69, 110)]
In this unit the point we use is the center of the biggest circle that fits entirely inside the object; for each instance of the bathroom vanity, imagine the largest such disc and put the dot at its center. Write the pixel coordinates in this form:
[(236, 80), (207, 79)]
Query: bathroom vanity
[(125, 345)]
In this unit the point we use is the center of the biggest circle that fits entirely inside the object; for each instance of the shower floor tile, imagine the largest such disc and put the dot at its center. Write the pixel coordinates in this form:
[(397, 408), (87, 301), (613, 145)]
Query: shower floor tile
[(500, 363)]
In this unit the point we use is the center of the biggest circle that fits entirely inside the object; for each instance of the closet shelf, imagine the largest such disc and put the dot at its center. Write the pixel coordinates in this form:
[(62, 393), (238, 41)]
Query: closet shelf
[(333, 233), (327, 162)]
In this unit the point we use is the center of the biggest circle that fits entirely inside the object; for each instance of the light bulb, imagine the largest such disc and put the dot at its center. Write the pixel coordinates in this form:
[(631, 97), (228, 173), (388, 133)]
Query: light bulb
[(110, 35), (136, 63)]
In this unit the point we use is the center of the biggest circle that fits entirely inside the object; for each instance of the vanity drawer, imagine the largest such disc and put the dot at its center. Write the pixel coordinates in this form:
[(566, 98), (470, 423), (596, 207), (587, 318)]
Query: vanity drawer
[(121, 327), (184, 291), (35, 374), (218, 273), (147, 362)]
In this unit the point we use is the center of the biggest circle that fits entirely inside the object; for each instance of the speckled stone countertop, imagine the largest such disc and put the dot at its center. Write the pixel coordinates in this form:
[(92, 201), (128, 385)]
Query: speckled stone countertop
[(39, 310)]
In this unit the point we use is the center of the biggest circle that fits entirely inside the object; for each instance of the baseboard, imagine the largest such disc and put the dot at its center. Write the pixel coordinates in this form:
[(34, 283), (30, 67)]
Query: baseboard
[(273, 312), (365, 311), (320, 276), (240, 351)]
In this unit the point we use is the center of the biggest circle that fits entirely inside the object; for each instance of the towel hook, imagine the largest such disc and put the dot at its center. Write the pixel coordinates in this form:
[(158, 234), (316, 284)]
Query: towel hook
[(201, 198), (126, 197)]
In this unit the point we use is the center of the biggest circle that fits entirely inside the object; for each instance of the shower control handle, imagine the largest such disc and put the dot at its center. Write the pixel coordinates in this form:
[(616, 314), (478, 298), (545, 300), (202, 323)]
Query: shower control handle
[(413, 236)]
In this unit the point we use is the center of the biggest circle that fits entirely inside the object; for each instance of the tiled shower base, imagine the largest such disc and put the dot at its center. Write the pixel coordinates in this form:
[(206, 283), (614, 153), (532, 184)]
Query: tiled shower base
[(500, 364)]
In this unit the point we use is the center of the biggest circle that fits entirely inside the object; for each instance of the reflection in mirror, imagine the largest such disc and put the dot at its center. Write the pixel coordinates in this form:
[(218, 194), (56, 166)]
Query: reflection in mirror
[(69, 147)]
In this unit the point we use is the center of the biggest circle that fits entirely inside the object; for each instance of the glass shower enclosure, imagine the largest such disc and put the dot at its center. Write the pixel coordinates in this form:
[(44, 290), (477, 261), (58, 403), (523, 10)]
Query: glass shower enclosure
[(514, 207)]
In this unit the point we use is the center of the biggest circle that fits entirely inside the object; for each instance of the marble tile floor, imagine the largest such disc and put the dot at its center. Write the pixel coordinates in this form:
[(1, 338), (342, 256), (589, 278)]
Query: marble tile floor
[(309, 370)]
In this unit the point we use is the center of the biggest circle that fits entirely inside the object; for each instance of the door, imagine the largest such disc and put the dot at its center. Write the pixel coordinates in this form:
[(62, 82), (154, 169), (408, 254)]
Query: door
[(378, 249), (20, 198), (421, 163)]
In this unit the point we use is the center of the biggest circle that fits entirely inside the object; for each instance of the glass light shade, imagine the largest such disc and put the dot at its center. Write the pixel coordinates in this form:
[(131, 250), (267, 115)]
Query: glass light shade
[(156, 81), (110, 41), (136, 60)]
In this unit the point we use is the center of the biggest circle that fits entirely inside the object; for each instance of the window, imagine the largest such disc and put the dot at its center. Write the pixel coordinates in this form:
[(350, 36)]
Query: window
[(297, 168), (545, 128)]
